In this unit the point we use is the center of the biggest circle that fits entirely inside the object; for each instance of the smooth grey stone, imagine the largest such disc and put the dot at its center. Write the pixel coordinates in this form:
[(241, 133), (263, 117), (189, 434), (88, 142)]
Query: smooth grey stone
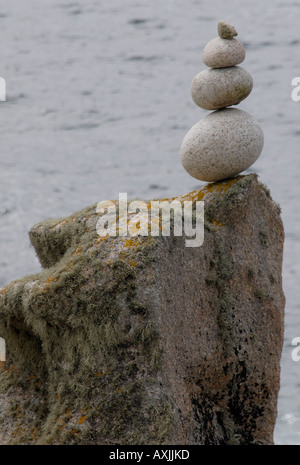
[(218, 88), (222, 53), (222, 145)]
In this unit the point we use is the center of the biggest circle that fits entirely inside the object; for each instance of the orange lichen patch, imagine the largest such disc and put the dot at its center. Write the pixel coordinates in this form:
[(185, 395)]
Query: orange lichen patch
[(101, 239), (216, 223), (135, 241), (68, 413), (82, 419), (129, 246), (17, 432), (51, 279), (221, 186), (41, 286), (78, 250), (34, 432), (199, 194), (123, 254), (101, 373), (18, 412), (194, 196), (11, 369), (61, 426), (120, 389), (59, 225), (129, 243)]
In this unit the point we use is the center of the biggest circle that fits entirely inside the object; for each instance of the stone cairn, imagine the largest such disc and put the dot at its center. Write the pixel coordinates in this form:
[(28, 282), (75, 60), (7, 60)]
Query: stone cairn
[(227, 141)]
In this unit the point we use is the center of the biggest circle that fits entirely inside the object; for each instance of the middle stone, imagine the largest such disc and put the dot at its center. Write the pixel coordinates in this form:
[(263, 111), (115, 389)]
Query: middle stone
[(217, 88)]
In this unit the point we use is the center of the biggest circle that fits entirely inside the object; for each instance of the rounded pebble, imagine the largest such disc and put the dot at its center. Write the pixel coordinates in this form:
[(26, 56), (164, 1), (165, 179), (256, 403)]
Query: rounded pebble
[(213, 89), (226, 31), (222, 53), (222, 145)]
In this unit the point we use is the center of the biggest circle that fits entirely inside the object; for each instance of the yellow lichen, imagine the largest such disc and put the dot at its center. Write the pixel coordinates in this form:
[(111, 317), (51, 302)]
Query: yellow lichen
[(78, 250), (131, 242), (102, 238), (82, 419), (218, 224)]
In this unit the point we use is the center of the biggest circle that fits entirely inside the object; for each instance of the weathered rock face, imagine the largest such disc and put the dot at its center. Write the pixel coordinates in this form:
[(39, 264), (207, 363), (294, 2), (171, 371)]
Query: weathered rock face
[(142, 340)]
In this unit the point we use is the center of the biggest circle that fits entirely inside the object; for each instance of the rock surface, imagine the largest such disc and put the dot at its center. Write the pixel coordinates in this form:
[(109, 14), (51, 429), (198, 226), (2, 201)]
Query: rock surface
[(213, 89), (142, 340), (221, 145)]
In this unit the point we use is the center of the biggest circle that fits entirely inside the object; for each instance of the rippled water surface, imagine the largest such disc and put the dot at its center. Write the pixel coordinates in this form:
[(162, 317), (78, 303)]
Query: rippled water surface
[(98, 102)]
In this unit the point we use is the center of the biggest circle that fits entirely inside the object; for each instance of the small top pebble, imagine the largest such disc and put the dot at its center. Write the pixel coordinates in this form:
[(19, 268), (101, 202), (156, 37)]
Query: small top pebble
[(226, 31), (224, 50)]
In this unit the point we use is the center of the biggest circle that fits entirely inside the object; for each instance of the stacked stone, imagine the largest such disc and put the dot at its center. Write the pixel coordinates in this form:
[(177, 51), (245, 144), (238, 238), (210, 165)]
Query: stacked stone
[(227, 141)]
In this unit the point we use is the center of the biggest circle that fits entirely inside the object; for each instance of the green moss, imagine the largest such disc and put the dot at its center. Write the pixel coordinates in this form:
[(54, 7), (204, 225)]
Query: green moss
[(211, 278), (260, 294), (94, 352), (250, 273), (266, 190), (163, 417), (272, 278), (268, 194), (263, 238), (52, 238), (222, 270)]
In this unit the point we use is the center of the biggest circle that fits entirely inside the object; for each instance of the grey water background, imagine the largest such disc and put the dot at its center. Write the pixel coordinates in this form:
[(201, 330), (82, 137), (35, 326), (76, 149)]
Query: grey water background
[(98, 102)]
